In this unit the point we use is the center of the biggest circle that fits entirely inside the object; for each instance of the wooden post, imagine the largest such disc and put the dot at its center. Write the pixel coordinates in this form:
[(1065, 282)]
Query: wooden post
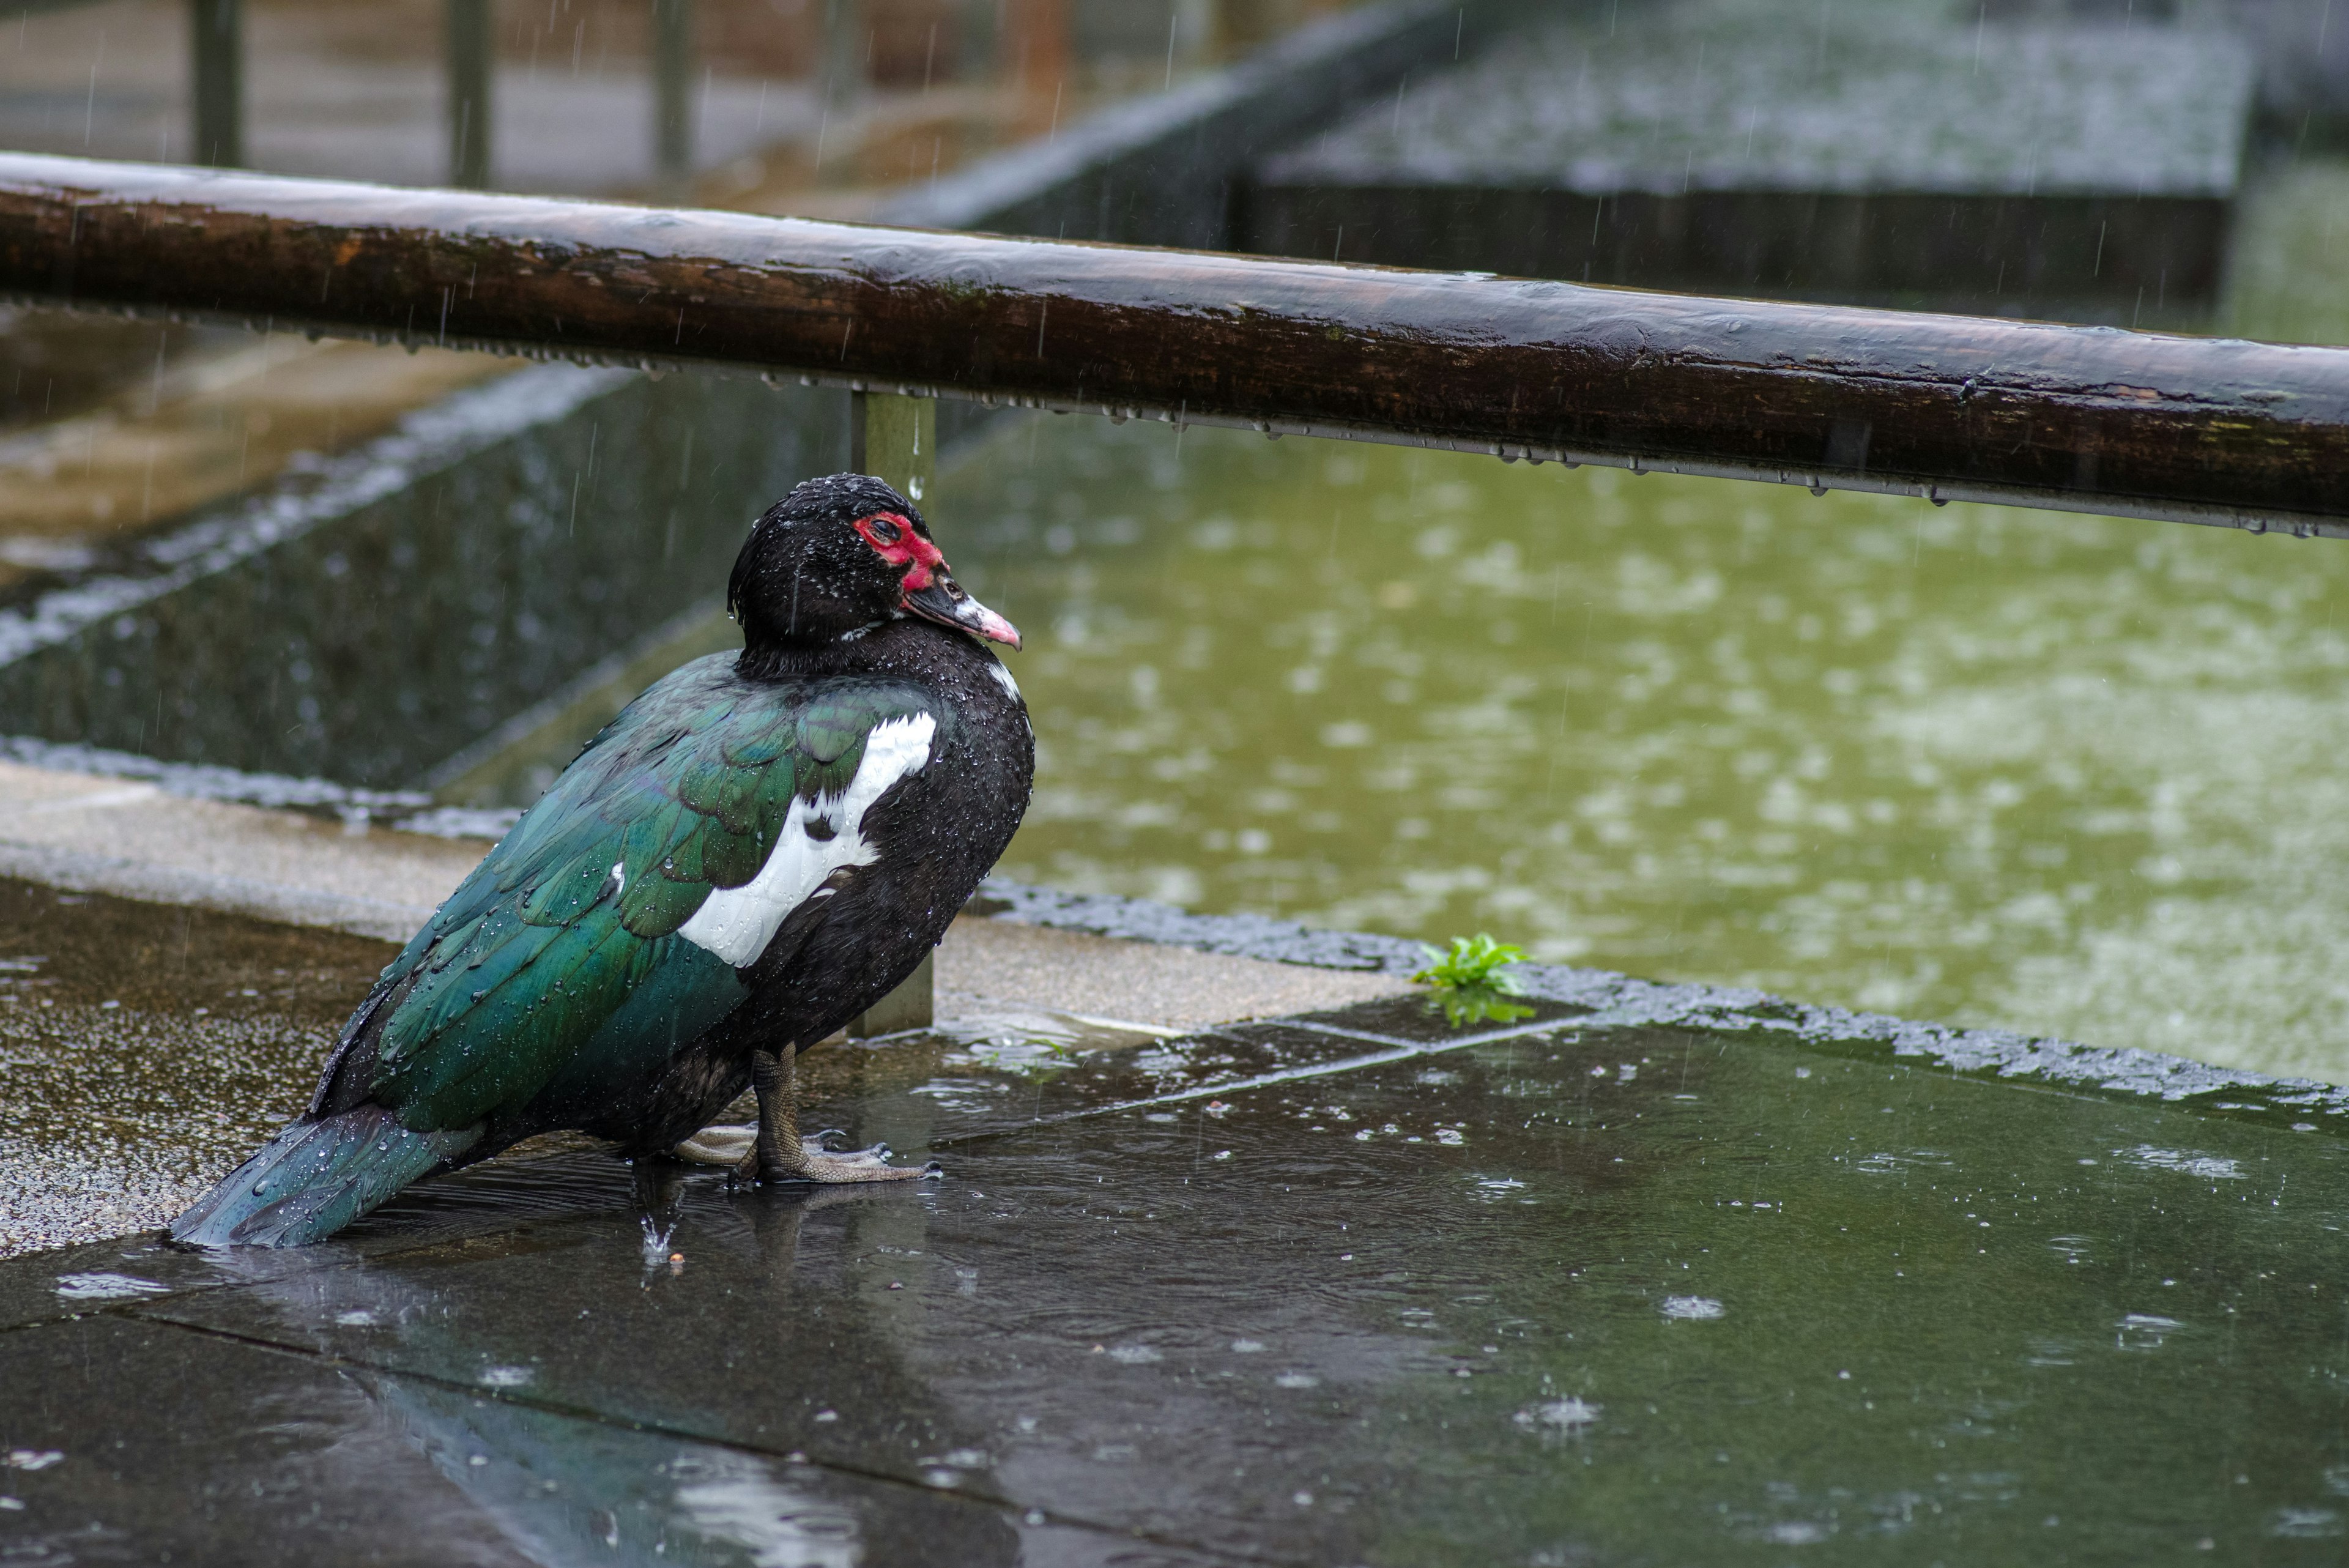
[(673, 97), (471, 51), (895, 439), (216, 68), (910, 1006), (847, 45), (1034, 53)]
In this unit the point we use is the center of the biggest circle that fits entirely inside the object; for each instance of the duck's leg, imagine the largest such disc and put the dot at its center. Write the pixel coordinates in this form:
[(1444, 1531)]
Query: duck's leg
[(777, 1155)]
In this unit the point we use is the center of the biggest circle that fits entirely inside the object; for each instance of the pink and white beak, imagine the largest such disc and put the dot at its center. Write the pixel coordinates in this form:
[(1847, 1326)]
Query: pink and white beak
[(940, 598), (927, 589)]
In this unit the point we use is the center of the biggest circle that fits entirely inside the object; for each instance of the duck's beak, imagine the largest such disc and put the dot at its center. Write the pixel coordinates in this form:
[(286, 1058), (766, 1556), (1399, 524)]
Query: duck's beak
[(943, 601)]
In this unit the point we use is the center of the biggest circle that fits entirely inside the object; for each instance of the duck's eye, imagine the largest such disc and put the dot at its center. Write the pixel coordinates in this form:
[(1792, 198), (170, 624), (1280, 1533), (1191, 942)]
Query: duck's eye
[(881, 531)]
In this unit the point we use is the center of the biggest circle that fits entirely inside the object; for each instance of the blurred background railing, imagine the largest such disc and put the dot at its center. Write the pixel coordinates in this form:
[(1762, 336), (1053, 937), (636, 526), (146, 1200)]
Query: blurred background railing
[(748, 100)]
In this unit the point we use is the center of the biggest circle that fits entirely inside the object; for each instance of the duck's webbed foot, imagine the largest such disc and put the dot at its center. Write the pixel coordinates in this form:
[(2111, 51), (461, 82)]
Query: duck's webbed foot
[(776, 1151), (856, 1165)]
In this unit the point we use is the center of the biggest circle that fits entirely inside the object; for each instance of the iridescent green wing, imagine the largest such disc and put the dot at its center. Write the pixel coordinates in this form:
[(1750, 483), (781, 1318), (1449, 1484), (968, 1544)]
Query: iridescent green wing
[(576, 914)]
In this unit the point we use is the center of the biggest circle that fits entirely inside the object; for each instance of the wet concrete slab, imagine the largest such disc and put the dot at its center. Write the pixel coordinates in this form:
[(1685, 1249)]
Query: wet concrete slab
[(187, 837), (159, 841), (1575, 1293), (989, 966), (145, 1049), (286, 1460), (977, 1077), (1938, 160)]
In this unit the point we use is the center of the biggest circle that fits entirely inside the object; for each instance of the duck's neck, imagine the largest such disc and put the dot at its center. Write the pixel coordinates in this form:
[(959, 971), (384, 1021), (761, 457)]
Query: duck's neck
[(781, 659)]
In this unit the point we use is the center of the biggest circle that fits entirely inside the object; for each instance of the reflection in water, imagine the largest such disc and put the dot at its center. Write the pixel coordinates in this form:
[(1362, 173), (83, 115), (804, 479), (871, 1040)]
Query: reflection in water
[(1463, 1005), (574, 1492), (2069, 774), (567, 1490)]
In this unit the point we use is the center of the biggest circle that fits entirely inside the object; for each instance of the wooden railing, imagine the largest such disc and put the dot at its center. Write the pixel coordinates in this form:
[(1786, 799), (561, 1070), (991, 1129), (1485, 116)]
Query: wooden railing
[(1946, 408)]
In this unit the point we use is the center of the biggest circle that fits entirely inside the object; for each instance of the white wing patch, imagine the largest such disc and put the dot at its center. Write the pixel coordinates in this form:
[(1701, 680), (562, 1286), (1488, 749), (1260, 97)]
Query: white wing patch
[(1003, 679), (737, 923)]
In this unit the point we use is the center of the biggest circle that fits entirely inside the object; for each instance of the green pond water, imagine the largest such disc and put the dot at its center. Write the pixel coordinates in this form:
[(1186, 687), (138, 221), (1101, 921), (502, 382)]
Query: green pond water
[(2077, 776), (2074, 774), (2065, 773)]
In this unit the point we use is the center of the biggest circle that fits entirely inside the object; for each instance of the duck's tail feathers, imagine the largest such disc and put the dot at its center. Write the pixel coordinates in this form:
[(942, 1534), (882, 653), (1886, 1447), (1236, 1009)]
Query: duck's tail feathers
[(316, 1177)]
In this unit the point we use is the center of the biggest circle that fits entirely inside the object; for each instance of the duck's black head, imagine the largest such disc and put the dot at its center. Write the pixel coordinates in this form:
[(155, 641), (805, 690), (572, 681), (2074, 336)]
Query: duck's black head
[(838, 556)]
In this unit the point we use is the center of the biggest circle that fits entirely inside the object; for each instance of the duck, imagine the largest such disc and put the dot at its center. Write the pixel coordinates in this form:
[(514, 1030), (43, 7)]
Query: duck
[(753, 851)]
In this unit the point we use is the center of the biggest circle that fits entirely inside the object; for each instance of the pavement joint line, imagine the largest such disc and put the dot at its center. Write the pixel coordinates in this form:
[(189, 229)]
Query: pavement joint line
[(663, 1429), (1403, 1050), (1511, 1033), (128, 1306), (1164, 1032)]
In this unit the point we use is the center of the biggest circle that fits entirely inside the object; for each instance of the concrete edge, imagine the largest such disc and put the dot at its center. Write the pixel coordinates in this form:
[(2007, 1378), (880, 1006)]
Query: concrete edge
[(1621, 1002), (1610, 1001), (215, 537), (144, 882)]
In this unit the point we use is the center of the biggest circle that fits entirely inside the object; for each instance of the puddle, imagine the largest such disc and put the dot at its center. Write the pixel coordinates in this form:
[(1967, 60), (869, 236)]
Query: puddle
[(999, 1071), (1033, 1043), (1670, 1314)]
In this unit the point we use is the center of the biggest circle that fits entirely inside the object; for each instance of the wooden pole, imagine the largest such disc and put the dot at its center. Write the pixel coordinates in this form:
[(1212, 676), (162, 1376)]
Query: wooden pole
[(216, 72), (673, 96), (895, 437), (1035, 54), (471, 58)]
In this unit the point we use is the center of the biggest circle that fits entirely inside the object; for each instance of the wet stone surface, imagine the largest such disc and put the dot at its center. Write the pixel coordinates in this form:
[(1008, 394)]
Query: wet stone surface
[(1573, 1295), (145, 1049), (286, 1461), (1883, 102), (983, 1078)]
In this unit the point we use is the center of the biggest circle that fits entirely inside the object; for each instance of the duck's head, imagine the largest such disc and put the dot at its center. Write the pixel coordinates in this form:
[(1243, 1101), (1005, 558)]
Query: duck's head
[(840, 555)]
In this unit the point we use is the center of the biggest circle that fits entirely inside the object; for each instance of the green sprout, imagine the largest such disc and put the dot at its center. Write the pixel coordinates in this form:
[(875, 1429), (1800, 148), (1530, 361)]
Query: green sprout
[(1472, 982), (1473, 962)]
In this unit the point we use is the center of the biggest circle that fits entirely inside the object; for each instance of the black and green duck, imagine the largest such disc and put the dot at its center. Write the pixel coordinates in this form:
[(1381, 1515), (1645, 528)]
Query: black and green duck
[(756, 850)]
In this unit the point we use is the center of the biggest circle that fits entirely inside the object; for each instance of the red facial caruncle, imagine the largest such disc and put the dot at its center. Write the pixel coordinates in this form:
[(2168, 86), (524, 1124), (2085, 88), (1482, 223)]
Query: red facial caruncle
[(894, 540), (927, 589)]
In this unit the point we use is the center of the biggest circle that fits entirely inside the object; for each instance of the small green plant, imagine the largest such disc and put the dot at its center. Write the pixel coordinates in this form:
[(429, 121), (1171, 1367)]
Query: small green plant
[(1472, 982), (1473, 962)]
